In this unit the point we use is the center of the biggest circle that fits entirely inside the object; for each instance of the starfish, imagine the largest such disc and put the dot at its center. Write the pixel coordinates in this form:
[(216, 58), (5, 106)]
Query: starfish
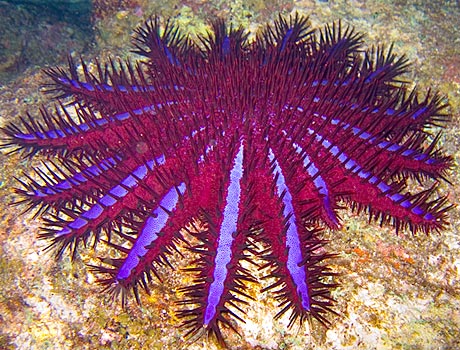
[(238, 150)]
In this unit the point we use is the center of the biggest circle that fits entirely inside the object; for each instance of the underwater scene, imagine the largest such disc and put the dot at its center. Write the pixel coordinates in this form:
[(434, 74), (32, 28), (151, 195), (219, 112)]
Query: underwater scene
[(229, 174)]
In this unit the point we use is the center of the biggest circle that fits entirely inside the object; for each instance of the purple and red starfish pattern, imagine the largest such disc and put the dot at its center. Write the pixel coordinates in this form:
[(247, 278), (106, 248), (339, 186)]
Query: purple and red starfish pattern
[(260, 142)]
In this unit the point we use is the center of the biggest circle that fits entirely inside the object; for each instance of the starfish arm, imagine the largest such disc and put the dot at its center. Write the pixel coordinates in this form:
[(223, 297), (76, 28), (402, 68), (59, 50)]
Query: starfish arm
[(92, 134), (157, 236), (219, 283), (292, 251), (66, 181)]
